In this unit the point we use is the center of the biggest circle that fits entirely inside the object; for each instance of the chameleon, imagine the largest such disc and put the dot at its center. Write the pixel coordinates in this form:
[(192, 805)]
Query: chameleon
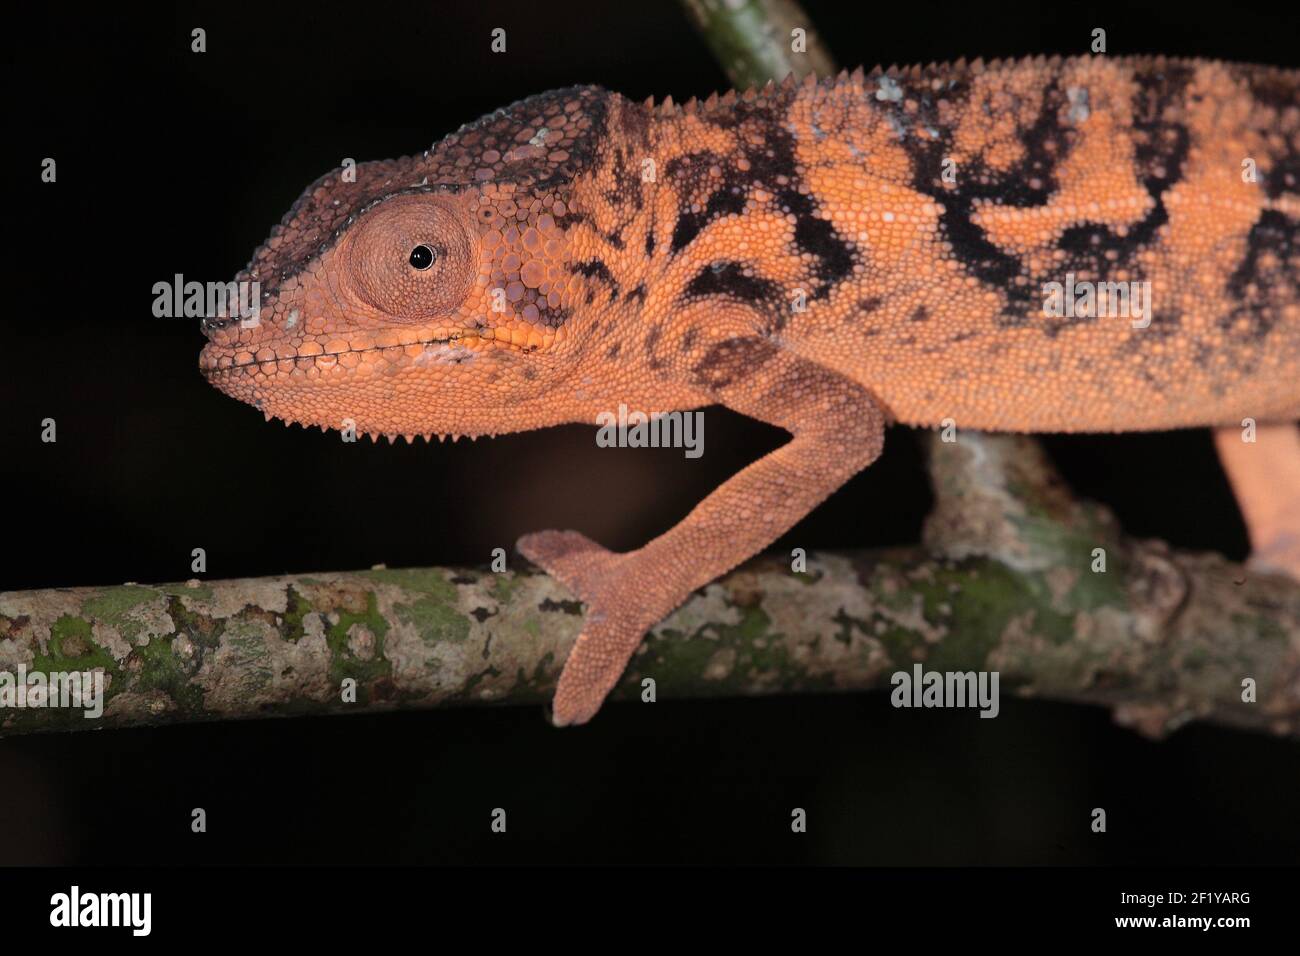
[(831, 256)]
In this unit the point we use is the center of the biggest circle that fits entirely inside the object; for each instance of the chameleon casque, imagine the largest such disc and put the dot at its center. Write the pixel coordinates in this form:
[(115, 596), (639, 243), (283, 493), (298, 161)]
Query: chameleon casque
[(797, 254)]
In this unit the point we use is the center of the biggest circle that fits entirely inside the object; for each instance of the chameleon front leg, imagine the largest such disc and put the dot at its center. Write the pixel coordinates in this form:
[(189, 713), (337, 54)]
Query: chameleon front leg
[(837, 429)]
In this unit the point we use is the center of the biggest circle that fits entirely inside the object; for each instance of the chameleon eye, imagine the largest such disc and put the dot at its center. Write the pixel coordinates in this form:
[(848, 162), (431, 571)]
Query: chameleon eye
[(421, 257), (412, 256)]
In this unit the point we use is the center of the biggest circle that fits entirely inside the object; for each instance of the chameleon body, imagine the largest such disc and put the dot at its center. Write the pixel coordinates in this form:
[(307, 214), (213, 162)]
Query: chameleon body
[(829, 256)]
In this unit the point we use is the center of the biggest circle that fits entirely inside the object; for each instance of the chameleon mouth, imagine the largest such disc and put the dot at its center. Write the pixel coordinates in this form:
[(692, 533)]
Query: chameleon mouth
[(219, 360), (215, 361)]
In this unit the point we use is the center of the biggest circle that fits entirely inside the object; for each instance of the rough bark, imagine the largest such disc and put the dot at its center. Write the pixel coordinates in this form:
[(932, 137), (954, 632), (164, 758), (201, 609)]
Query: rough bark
[(1160, 637)]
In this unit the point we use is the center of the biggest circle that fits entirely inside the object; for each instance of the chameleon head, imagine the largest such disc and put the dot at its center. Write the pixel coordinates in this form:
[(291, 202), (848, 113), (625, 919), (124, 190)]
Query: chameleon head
[(425, 295)]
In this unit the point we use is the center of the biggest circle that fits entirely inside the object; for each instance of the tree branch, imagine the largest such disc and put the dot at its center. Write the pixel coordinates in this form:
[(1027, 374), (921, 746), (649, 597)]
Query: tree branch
[(752, 41), (1160, 637)]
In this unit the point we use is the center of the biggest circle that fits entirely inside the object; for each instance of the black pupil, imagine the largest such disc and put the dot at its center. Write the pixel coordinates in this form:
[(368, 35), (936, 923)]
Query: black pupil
[(422, 257)]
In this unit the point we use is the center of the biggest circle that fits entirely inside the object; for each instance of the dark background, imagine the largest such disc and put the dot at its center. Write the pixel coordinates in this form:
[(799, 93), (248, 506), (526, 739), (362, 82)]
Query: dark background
[(175, 162)]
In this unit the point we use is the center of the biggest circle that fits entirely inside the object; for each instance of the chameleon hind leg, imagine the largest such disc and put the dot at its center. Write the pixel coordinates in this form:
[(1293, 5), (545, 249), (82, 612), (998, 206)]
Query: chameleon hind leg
[(1265, 478)]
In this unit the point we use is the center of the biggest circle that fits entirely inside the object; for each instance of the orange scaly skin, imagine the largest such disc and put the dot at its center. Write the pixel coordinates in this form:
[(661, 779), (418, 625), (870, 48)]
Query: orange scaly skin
[(827, 257)]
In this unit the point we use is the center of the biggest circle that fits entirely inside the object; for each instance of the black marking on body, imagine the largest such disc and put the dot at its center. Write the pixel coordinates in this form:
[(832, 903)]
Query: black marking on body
[(768, 146), (1028, 183), (635, 123), (725, 201), (556, 317), (1276, 89), (570, 219), (1279, 91), (1047, 143), (627, 186), (1160, 146), (1284, 176), (689, 174), (835, 256), (1160, 150), (728, 279), (1094, 252), (773, 164), (732, 360), (652, 346), (596, 269), (1098, 253), (1265, 280)]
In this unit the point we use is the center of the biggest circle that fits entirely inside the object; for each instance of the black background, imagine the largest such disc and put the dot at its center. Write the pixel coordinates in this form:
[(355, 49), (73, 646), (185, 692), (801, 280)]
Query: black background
[(171, 162)]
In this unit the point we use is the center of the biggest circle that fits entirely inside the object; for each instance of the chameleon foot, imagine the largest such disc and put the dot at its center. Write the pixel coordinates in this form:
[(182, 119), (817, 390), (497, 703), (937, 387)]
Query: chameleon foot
[(1281, 556), (616, 618), (571, 558)]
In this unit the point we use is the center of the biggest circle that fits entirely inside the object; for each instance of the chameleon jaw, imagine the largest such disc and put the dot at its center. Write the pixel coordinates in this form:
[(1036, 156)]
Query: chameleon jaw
[(214, 360), (217, 361)]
